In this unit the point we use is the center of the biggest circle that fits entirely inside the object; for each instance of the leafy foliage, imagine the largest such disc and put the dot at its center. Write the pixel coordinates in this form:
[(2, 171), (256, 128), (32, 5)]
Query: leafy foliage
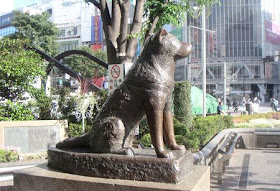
[(204, 128), (43, 103), (75, 129), (182, 103), (180, 128), (101, 97), (66, 104), (143, 127), (146, 140), (171, 12), (15, 111), (38, 29), (85, 66), (19, 68), (8, 155)]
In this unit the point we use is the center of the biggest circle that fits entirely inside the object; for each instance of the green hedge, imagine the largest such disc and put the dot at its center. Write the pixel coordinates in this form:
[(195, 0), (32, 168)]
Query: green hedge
[(182, 103), (75, 129), (207, 127), (203, 130)]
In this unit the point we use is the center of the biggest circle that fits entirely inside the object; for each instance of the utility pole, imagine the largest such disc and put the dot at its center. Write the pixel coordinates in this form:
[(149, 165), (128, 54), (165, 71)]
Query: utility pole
[(203, 51)]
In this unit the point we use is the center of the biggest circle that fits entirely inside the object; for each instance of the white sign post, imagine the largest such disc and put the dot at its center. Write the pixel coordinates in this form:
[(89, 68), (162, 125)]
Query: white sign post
[(116, 75)]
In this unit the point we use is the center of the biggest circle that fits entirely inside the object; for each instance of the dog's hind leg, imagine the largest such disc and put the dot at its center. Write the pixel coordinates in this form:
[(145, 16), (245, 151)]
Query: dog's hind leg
[(113, 136)]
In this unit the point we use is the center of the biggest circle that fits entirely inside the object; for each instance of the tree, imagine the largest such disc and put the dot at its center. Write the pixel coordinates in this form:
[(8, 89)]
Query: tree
[(19, 68), (121, 44), (38, 29), (85, 66)]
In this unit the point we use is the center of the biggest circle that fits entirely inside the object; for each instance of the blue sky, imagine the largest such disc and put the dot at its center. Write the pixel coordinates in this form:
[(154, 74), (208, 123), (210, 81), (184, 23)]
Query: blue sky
[(22, 3)]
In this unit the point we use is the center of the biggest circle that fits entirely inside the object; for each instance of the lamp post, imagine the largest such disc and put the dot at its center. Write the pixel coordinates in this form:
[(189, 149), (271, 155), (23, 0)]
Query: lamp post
[(203, 51), (203, 54)]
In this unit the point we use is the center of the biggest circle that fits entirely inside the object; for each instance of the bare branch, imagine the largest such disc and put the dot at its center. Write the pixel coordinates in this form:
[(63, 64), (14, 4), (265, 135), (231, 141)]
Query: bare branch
[(109, 33), (116, 19), (97, 4), (135, 29), (122, 39), (104, 10)]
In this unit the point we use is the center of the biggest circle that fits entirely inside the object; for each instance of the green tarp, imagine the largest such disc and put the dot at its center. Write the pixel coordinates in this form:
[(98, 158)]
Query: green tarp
[(196, 102)]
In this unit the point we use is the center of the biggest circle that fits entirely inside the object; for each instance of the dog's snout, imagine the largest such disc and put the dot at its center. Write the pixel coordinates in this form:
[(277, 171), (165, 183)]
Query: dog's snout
[(184, 51)]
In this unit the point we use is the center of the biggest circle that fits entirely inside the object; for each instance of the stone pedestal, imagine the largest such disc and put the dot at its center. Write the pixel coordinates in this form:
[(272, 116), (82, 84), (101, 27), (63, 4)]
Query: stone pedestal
[(43, 178), (143, 166)]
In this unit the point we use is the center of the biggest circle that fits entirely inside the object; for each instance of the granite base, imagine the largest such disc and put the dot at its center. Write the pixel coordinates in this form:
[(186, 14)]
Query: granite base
[(143, 166), (44, 178)]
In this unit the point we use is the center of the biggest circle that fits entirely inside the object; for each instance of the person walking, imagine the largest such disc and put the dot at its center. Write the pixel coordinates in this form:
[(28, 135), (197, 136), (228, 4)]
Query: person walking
[(274, 104), (228, 103), (220, 109), (234, 105), (243, 101)]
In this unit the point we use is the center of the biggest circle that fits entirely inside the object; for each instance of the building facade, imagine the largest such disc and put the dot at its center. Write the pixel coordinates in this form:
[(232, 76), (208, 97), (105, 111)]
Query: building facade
[(242, 44)]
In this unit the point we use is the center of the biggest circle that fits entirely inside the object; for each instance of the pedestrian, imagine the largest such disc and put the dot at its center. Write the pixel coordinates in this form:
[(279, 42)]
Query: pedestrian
[(234, 105), (228, 103), (243, 101), (220, 109), (274, 104)]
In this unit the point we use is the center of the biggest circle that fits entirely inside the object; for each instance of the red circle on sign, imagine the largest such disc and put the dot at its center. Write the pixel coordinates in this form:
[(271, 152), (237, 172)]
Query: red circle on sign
[(115, 71)]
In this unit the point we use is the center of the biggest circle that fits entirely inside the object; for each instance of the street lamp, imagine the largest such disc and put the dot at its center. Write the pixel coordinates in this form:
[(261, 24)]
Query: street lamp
[(203, 54), (203, 51)]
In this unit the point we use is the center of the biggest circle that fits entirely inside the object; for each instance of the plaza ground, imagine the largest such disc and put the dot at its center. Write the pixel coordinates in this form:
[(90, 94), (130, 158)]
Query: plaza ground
[(250, 170)]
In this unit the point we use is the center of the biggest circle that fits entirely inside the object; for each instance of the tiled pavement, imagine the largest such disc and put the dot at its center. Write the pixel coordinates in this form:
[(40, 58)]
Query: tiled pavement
[(251, 170)]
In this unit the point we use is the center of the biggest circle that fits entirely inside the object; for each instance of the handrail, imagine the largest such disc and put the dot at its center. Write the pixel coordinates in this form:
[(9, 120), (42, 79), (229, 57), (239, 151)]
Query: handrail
[(229, 138)]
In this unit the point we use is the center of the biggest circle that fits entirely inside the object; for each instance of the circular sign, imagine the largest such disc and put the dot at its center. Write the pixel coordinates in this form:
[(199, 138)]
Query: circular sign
[(115, 71)]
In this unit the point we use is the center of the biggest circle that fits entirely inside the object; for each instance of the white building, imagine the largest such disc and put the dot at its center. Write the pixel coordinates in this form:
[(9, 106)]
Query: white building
[(74, 20)]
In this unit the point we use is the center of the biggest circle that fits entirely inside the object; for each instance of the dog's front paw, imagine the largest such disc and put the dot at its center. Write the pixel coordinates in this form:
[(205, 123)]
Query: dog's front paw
[(165, 154), (177, 147)]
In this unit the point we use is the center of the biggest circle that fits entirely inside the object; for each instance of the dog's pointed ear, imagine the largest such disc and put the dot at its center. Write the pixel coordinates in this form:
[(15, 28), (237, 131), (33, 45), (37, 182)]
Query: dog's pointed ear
[(162, 32)]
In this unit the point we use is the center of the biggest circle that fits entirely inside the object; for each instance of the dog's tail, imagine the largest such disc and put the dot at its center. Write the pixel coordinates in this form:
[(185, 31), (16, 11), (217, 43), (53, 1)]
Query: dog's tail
[(75, 142)]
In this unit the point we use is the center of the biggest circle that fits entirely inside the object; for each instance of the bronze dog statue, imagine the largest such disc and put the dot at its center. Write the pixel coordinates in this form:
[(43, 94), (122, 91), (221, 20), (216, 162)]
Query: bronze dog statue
[(147, 89)]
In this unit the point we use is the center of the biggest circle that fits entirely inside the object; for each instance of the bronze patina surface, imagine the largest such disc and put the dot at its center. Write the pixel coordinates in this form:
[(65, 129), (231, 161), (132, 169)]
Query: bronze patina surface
[(143, 166), (147, 89)]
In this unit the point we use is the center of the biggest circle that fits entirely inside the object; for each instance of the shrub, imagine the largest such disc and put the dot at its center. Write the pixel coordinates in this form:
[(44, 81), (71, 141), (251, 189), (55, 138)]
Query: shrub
[(15, 111), (44, 104), (7, 155), (182, 103), (146, 140), (143, 127), (75, 129), (205, 128), (181, 140), (180, 128)]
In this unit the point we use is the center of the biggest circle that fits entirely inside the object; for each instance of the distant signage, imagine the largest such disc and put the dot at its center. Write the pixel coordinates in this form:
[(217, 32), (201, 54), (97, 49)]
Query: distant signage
[(272, 32), (95, 47), (96, 29)]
